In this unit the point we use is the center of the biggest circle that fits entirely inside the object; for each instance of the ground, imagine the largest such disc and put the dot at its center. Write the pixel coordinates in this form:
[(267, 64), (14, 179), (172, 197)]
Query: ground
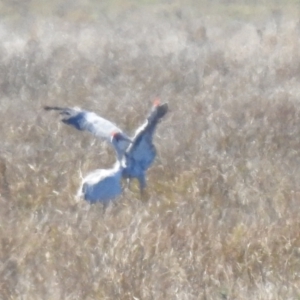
[(222, 216)]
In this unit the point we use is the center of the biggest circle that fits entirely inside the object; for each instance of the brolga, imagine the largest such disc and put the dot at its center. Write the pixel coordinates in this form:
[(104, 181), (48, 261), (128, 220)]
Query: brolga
[(139, 152)]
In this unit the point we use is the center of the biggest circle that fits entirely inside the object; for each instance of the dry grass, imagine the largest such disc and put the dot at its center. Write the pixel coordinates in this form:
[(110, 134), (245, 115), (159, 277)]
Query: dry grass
[(222, 219)]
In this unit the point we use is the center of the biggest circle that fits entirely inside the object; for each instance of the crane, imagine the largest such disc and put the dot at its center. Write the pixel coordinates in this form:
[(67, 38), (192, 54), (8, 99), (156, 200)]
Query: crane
[(103, 185), (139, 152)]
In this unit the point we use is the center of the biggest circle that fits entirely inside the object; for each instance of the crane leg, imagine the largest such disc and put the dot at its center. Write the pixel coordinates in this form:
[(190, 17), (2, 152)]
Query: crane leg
[(142, 183), (128, 180)]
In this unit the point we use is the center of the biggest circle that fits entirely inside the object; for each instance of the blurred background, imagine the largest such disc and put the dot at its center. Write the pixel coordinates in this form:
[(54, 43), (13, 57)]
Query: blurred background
[(222, 216)]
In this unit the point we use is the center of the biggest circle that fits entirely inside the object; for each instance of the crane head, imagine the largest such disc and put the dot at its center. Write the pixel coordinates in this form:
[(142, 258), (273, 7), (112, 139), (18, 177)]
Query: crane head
[(156, 102), (158, 109), (120, 142), (118, 136)]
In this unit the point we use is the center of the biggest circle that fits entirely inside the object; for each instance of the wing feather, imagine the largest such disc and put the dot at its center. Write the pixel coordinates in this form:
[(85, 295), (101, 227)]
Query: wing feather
[(142, 151), (89, 121)]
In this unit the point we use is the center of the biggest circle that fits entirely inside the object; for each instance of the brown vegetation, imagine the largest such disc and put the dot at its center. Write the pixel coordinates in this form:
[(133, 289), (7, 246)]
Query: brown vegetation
[(222, 218)]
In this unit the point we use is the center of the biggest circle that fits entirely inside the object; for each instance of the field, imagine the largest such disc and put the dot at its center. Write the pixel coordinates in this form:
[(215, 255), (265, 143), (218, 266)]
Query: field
[(221, 218)]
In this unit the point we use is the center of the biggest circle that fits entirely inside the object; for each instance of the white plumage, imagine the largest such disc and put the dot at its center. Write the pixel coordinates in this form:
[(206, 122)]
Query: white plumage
[(102, 185)]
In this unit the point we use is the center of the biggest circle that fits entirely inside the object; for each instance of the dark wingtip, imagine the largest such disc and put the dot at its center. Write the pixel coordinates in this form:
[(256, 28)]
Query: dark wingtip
[(47, 107)]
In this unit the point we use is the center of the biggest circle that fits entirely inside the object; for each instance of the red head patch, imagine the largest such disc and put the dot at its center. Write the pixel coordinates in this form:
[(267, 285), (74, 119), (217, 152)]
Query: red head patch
[(115, 134), (156, 102)]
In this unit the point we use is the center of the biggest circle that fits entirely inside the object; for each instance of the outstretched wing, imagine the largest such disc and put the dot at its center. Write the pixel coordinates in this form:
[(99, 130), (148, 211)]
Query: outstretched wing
[(141, 153), (89, 121)]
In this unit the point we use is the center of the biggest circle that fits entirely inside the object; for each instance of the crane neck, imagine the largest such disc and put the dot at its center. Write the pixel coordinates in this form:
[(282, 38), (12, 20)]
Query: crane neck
[(119, 153)]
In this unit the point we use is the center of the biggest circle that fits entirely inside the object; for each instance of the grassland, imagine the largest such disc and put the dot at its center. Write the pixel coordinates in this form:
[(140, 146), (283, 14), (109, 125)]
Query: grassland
[(222, 218)]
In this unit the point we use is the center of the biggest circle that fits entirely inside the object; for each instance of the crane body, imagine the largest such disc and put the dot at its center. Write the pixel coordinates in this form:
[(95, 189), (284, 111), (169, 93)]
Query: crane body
[(103, 185)]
